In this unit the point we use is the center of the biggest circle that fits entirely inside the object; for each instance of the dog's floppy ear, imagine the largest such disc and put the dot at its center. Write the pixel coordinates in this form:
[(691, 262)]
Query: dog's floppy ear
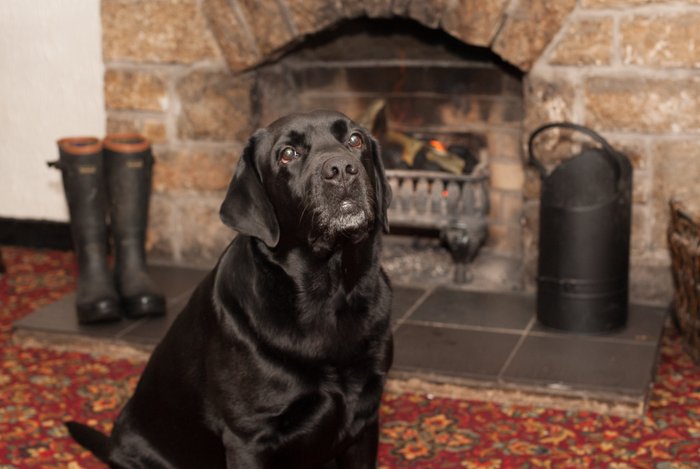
[(381, 185), (246, 207)]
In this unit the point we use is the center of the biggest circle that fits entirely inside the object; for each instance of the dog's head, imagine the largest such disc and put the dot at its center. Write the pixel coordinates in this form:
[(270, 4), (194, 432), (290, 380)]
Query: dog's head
[(311, 178)]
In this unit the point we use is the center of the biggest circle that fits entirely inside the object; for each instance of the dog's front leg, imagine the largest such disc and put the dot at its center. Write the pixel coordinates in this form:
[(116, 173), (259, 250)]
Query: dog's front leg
[(237, 459), (240, 457), (362, 453)]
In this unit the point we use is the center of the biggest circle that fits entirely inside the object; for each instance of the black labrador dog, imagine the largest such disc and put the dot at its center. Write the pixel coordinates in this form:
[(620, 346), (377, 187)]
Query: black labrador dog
[(280, 357)]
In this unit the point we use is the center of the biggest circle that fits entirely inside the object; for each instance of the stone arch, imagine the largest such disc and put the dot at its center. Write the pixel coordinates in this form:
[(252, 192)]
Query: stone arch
[(250, 32)]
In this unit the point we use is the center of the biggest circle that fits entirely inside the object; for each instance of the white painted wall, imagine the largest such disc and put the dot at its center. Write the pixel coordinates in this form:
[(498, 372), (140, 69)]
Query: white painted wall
[(51, 76)]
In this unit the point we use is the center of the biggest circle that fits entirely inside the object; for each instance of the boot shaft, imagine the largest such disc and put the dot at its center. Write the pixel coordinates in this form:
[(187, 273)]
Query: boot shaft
[(80, 162), (128, 172), (128, 168)]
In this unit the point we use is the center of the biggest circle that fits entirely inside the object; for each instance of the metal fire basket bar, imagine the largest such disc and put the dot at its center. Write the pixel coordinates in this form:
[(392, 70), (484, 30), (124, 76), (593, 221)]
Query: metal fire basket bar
[(457, 205)]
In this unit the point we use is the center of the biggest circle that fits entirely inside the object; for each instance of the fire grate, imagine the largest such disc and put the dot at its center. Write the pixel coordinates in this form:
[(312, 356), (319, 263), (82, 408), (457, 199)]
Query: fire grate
[(456, 205)]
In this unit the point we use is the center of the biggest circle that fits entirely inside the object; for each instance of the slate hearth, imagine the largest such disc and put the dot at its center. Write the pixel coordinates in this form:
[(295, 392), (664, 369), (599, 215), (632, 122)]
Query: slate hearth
[(475, 344), (493, 338)]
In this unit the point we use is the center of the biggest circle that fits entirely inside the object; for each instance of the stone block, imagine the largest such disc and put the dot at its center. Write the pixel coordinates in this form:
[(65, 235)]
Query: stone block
[(548, 99), (504, 144), (159, 235), (532, 185), (496, 203), (585, 42), (639, 240), (323, 79), (373, 8), (156, 31), (204, 236), (512, 85), (504, 239), (400, 7), (661, 40), (136, 90), (272, 88), (634, 148), (473, 21), (650, 283), (506, 176), (530, 242), (267, 23), (506, 207), (426, 12), (642, 104), (512, 208), (350, 105), (354, 9), (621, 4), (676, 168), (232, 34), (456, 112), (528, 29), (310, 16), (556, 146), (215, 105), (151, 127), (641, 187), (507, 112), (202, 168)]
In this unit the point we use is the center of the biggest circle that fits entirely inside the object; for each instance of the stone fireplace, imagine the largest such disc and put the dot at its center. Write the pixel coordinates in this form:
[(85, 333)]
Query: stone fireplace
[(198, 76)]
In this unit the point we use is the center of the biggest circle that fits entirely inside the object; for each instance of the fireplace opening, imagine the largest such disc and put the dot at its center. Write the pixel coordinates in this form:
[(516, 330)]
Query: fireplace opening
[(457, 111)]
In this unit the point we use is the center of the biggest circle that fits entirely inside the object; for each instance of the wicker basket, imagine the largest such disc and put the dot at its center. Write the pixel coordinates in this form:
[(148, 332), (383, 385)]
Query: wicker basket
[(684, 243)]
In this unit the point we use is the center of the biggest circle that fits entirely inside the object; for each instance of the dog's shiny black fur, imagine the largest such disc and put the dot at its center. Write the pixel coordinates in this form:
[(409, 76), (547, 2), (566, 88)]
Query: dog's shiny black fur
[(280, 356)]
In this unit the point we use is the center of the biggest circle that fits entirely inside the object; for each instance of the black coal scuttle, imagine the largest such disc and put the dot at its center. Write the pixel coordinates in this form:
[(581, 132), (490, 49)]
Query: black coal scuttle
[(584, 238)]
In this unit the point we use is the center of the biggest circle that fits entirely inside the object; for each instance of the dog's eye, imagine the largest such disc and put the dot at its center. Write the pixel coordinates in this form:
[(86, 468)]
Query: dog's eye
[(355, 140), (287, 154)]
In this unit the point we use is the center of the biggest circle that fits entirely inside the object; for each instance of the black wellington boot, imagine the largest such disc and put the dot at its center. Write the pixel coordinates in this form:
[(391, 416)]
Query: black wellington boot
[(128, 164), (80, 163)]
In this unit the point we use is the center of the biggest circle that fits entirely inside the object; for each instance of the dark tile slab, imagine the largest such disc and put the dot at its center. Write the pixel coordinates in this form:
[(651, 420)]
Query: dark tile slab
[(583, 363), (481, 309), (453, 334), (644, 325), (404, 299), (151, 331), (176, 283), (61, 317), (456, 352)]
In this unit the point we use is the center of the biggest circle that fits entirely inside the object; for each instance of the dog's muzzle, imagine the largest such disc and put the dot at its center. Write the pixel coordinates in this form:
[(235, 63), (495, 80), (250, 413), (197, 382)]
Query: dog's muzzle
[(342, 201)]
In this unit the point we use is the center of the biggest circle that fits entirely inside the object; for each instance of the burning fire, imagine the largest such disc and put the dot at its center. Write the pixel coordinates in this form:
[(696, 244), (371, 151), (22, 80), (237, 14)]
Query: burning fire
[(437, 144)]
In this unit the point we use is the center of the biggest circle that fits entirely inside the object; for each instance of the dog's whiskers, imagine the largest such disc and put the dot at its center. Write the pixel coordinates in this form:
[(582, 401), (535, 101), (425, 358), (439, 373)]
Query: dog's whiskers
[(304, 207)]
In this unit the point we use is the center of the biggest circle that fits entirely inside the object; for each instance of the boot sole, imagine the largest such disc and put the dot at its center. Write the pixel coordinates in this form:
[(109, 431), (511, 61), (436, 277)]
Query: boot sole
[(99, 312), (144, 306)]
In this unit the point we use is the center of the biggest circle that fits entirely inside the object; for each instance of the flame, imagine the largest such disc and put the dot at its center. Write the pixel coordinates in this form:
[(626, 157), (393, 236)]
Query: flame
[(437, 144)]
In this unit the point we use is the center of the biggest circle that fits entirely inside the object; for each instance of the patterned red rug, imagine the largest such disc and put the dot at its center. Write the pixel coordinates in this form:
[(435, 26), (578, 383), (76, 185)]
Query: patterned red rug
[(39, 389)]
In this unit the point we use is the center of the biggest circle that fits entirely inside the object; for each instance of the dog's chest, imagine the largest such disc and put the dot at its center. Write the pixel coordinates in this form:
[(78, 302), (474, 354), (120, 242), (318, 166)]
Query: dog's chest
[(348, 396), (322, 415)]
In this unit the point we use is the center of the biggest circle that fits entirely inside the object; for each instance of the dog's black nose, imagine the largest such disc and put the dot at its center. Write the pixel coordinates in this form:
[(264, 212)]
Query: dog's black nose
[(339, 169)]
